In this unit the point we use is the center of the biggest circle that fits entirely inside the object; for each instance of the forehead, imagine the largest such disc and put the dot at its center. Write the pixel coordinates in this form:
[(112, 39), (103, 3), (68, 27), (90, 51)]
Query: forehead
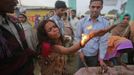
[(49, 25), (20, 16), (62, 9), (96, 3), (126, 16), (73, 12)]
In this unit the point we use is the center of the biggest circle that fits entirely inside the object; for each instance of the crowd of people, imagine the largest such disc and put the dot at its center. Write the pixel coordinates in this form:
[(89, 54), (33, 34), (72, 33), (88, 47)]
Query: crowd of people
[(23, 48)]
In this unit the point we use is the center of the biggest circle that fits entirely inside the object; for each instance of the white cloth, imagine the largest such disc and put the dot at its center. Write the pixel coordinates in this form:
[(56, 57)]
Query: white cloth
[(30, 35)]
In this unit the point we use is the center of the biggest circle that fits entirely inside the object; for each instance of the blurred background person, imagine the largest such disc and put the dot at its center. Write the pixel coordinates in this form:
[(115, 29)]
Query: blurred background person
[(60, 9), (30, 33), (68, 31), (123, 30), (73, 21)]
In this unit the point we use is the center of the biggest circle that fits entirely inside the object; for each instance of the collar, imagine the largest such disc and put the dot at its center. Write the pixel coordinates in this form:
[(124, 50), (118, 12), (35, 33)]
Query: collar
[(57, 17), (99, 18)]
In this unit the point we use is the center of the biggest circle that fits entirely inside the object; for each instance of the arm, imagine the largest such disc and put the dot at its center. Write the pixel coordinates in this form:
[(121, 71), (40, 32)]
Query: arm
[(102, 52), (77, 46), (79, 29), (103, 46), (63, 50), (103, 41)]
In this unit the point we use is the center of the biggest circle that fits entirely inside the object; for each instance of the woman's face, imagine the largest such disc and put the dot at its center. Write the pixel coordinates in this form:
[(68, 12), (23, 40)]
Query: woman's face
[(52, 30)]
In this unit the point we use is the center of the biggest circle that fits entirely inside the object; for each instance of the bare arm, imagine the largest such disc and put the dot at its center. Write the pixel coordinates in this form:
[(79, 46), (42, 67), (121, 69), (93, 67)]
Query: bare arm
[(77, 46), (64, 50)]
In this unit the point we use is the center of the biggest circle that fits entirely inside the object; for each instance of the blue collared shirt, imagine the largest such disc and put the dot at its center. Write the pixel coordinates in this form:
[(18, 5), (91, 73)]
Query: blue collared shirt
[(59, 22), (96, 44)]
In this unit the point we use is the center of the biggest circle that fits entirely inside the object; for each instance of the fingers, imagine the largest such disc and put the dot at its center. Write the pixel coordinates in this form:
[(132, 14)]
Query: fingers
[(104, 68)]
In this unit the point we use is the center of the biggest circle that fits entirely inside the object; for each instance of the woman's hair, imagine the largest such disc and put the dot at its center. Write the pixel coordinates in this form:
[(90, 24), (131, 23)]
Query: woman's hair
[(42, 34)]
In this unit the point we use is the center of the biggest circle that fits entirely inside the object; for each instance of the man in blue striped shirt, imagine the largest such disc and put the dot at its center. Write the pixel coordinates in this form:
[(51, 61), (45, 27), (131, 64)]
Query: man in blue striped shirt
[(95, 49)]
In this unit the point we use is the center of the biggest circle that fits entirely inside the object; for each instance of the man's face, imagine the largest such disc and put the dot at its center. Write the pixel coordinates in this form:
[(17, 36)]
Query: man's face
[(73, 14), (8, 6), (95, 8), (126, 19), (60, 11), (21, 18)]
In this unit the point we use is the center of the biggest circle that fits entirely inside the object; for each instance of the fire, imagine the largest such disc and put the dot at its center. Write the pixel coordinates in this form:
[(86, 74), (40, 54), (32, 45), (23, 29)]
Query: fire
[(86, 38)]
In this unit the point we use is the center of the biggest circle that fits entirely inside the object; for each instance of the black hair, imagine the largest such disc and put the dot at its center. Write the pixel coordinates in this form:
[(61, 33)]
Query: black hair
[(96, 0), (127, 15), (42, 34), (60, 4), (74, 11)]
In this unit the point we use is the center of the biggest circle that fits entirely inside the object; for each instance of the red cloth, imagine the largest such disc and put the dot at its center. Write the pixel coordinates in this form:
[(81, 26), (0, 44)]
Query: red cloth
[(46, 49)]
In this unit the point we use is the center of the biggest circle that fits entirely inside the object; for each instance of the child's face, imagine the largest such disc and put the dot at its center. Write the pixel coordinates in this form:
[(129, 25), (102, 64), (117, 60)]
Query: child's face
[(52, 30)]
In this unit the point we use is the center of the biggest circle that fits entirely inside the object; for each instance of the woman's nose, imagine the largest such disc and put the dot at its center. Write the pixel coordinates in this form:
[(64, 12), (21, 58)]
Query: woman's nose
[(54, 29)]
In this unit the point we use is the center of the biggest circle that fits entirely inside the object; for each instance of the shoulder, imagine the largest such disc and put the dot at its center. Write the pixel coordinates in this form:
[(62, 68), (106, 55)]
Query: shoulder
[(85, 19), (103, 20), (45, 45), (53, 17), (45, 49)]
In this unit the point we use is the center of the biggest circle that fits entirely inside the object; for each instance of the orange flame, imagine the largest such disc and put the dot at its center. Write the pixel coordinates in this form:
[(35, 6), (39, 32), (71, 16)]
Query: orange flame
[(86, 38)]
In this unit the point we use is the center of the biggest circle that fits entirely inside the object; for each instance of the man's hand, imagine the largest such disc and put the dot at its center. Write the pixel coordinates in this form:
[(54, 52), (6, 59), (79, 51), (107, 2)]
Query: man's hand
[(103, 66), (94, 33)]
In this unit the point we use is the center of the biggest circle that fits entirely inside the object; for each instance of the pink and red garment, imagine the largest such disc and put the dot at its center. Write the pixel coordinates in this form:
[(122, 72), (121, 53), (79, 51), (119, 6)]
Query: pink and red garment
[(46, 49), (117, 45)]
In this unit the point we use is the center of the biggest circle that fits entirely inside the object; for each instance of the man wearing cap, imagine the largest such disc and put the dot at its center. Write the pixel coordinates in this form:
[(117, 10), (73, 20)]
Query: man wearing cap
[(60, 8)]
